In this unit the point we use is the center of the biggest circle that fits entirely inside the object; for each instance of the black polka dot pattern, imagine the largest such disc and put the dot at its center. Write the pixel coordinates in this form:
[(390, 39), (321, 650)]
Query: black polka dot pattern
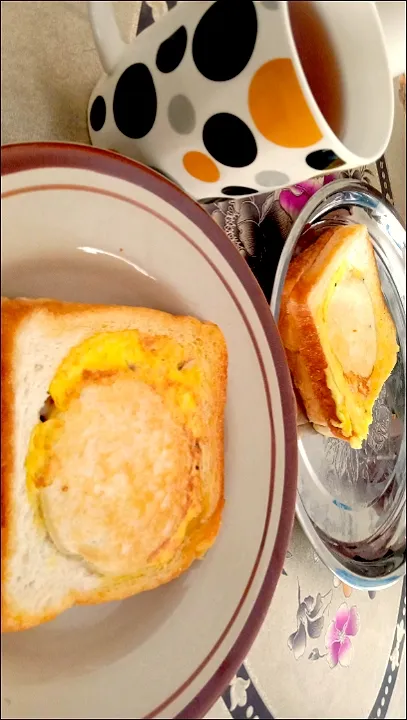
[(135, 101), (172, 50), (224, 40), (323, 160), (229, 140), (97, 113), (234, 190)]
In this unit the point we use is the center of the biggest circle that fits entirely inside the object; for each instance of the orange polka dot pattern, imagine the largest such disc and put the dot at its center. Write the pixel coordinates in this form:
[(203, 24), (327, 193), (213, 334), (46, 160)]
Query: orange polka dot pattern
[(278, 107), (201, 166)]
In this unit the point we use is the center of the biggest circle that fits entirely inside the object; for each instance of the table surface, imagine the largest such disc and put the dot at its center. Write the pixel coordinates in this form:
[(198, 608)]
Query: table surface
[(49, 67)]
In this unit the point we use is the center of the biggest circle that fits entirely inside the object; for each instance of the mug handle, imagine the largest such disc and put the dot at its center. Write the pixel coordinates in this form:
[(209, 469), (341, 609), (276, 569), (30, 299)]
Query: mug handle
[(109, 42)]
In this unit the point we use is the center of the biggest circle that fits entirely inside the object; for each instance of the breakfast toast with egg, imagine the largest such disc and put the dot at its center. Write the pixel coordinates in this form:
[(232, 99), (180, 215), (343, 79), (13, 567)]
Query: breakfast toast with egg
[(112, 452), (338, 334)]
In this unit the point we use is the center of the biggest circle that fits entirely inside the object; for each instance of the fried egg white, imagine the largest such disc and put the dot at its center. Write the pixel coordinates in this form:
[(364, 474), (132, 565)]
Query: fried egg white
[(115, 466), (359, 342)]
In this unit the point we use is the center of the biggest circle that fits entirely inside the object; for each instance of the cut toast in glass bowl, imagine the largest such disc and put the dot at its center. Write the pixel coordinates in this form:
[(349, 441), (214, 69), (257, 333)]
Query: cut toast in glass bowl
[(351, 503)]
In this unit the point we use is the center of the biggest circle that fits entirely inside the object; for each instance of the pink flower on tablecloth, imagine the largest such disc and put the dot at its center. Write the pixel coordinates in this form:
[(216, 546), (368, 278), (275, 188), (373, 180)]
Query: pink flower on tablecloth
[(293, 199), (337, 639)]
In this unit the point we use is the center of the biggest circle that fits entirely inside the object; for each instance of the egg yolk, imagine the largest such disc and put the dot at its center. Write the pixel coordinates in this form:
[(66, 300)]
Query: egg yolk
[(158, 361)]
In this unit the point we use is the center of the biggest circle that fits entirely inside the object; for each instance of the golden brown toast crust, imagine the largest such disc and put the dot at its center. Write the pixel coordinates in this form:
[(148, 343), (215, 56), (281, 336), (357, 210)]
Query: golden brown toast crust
[(305, 356), (9, 324), (297, 325), (14, 313)]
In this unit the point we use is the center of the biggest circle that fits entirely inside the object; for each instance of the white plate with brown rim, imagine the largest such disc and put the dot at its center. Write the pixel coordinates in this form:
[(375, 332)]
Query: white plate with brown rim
[(86, 225)]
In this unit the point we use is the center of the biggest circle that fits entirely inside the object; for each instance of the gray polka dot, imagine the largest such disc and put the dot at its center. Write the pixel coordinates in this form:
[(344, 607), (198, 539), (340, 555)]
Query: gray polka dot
[(272, 178), (181, 114), (269, 5)]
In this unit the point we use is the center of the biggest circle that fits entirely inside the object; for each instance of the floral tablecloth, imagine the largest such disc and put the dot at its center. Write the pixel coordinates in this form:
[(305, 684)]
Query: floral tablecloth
[(324, 651)]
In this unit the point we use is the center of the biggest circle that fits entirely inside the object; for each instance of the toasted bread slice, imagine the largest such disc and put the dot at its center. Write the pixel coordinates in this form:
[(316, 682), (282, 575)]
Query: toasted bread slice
[(121, 488), (338, 334)]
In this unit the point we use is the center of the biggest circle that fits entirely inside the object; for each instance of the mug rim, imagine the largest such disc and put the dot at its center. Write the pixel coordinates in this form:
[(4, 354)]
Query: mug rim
[(344, 152)]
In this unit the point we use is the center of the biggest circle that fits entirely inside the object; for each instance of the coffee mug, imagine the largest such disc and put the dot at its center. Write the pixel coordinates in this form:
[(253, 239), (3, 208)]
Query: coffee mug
[(231, 100)]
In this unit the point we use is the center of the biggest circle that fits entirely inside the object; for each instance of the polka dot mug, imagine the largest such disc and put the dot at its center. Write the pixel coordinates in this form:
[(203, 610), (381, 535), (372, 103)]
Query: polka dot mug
[(231, 99)]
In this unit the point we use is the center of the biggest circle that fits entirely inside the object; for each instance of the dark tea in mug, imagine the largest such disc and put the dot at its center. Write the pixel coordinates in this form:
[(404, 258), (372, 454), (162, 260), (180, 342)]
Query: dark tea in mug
[(319, 61)]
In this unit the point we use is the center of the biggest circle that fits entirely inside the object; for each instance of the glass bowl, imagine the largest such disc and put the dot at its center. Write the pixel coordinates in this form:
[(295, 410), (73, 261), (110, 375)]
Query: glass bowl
[(351, 503)]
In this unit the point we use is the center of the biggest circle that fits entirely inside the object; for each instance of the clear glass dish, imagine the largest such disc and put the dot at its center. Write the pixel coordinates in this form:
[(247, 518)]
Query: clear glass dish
[(351, 503)]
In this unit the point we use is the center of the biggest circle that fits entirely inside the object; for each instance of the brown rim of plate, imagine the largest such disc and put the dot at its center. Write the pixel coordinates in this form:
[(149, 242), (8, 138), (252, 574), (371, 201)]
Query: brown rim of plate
[(136, 203), (30, 156)]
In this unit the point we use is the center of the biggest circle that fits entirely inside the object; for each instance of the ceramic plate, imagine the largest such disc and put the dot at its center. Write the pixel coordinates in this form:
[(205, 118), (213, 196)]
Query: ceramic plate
[(82, 224)]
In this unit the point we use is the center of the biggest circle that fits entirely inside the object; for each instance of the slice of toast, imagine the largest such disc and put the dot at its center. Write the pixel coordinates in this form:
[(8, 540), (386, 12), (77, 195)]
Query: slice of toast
[(338, 334), (144, 416)]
